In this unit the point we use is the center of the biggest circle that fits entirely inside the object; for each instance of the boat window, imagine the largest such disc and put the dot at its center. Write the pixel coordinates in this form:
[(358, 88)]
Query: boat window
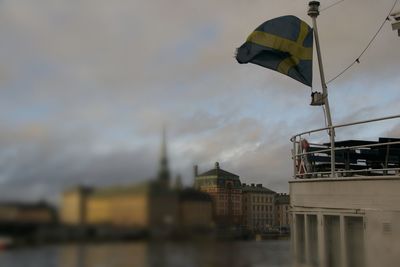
[(312, 238), (300, 239), (354, 241), (332, 240)]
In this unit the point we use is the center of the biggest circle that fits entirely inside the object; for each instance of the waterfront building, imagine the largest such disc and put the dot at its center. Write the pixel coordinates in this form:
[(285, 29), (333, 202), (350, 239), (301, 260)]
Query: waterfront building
[(195, 209), (144, 205), (27, 213), (282, 211), (258, 207), (74, 205), (149, 205), (226, 193)]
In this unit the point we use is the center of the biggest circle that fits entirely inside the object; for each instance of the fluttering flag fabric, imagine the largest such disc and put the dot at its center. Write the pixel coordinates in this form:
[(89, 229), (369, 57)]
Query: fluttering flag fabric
[(283, 44)]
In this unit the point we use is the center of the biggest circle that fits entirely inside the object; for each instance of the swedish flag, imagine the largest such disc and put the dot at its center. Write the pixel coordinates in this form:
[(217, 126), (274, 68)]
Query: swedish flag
[(284, 44)]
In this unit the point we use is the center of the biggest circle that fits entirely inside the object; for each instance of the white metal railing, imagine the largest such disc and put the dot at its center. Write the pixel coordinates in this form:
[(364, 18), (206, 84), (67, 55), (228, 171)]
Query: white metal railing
[(373, 158)]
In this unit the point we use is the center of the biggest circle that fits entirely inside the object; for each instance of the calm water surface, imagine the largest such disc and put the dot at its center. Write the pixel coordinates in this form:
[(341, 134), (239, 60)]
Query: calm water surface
[(153, 254)]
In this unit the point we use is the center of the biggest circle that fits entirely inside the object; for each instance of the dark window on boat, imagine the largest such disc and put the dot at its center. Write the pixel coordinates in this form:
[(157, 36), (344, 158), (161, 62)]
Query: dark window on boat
[(354, 241), (312, 238), (332, 240), (300, 239)]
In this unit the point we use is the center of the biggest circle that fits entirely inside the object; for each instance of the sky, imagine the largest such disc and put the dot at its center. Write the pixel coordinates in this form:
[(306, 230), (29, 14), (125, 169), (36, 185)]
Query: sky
[(86, 87)]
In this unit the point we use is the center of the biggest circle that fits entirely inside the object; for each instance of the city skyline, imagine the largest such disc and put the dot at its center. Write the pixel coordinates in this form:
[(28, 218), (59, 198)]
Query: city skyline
[(87, 86)]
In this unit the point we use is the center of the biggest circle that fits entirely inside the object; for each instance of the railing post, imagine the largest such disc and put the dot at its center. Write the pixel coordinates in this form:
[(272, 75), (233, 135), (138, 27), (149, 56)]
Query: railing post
[(333, 159), (294, 158), (297, 153)]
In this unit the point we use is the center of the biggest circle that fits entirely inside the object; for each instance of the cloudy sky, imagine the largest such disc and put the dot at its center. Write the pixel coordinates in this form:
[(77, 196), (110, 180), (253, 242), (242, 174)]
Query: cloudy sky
[(86, 85)]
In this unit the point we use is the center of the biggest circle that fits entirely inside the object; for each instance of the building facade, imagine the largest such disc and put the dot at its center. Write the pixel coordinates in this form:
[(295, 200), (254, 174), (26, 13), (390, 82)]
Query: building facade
[(225, 191), (282, 209), (150, 205), (258, 207), (24, 213), (74, 205), (195, 210), (143, 205)]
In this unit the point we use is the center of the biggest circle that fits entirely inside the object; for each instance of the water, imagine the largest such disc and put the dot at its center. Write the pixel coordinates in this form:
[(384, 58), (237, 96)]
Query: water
[(153, 254)]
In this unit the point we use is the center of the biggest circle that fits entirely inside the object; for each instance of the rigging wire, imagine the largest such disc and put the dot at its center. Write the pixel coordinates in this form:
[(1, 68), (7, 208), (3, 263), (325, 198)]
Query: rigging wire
[(328, 7), (357, 60)]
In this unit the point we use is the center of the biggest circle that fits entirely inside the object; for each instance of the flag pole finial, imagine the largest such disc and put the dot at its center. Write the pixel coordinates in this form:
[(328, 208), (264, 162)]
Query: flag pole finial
[(313, 10)]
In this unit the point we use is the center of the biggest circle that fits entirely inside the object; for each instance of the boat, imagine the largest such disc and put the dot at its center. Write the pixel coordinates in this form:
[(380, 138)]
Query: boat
[(348, 215), (345, 194)]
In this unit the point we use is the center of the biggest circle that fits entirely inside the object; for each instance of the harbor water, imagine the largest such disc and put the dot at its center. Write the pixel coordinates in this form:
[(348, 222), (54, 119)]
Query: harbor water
[(153, 254)]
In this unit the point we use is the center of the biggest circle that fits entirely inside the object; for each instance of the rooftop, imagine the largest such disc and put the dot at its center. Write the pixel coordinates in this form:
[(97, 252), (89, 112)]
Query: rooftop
[(282, 199), (194, 195), (219, 173), (256, 188), (140, 188)]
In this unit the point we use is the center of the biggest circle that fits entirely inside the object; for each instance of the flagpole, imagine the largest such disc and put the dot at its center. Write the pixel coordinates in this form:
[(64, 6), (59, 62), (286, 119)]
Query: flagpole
[(313, 12)]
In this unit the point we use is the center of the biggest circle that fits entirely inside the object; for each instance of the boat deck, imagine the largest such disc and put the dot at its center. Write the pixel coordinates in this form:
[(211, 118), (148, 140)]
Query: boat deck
[(345, 200)]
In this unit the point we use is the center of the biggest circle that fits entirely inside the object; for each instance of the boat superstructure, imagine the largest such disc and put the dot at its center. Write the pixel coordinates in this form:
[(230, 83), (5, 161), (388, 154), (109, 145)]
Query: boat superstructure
[(346, 207), (344, 195)]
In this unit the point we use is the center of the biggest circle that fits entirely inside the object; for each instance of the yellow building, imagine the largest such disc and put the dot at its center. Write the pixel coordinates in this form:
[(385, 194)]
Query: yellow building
[(140, 206), (22, 213), (73, 205), (144, 206), (148, 205)]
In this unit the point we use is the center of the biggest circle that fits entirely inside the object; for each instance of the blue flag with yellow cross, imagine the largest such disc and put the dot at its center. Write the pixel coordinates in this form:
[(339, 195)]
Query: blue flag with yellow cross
[(283, 44)]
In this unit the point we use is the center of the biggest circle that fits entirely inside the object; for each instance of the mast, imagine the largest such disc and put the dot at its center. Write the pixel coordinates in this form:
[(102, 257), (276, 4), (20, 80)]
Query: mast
[(313, 12)]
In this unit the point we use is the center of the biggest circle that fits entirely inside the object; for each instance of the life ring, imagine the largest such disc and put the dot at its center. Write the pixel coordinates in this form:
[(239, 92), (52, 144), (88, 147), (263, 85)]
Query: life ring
[(302, 162), (304, 145)]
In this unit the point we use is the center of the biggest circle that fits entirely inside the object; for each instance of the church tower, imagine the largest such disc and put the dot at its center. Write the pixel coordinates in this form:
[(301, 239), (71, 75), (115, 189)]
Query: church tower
[(163, 171)]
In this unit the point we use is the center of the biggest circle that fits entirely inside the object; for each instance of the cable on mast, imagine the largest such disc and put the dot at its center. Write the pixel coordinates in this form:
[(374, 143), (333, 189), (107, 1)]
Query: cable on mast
[(328, 7), (357, 60)]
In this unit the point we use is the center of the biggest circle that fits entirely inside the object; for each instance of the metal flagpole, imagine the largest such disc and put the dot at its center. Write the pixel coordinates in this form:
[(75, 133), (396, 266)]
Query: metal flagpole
[(313, 12)]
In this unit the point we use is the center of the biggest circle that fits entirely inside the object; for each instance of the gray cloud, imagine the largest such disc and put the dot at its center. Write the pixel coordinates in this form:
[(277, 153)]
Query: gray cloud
[(87, 85)]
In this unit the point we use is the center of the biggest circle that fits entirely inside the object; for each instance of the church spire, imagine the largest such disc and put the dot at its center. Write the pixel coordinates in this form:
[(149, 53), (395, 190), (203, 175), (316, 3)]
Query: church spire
[(163, 171)]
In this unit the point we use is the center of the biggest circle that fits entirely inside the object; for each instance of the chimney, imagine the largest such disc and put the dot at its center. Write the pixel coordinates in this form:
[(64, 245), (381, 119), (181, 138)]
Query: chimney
[(195, 171), (217, 165)]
